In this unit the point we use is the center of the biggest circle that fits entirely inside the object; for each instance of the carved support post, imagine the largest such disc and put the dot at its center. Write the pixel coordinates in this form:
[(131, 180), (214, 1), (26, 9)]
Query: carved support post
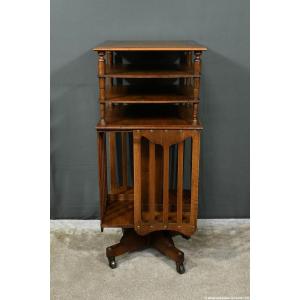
[(101, 73), (197, 70)]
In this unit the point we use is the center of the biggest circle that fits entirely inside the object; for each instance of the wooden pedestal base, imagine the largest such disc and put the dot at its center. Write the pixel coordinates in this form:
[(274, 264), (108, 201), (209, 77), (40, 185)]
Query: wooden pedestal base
[(159, 240)]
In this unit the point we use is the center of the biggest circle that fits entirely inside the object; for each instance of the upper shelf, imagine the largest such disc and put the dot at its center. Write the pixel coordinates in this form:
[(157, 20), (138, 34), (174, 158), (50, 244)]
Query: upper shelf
[(150, 46), (133, 71)]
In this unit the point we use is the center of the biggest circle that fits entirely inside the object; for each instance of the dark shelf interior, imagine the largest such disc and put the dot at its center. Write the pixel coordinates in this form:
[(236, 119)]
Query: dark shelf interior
[(150, 94), (152, 116), (149, 71)]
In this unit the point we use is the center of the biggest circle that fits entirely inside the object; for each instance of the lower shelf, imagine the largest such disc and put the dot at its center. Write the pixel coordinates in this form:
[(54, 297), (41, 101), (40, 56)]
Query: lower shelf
[(120, 207), (119, 210), (153, 116)]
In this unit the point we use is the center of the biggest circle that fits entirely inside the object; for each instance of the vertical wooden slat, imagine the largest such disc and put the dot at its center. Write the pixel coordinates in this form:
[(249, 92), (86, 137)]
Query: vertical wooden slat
[(166, 185), (195, 177), (144, 176), (124, 159), (137, 178), (172, 166), (112, 160), (130, 149), (102, 172), (151, 182), (180, 183), (159, 179)]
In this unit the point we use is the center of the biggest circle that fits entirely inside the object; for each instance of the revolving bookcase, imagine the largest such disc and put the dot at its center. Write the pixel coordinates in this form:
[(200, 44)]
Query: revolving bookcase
[(149, 143)]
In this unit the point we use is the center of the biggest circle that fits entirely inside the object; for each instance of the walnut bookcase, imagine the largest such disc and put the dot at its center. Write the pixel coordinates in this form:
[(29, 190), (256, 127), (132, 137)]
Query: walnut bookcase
[(149, 143)]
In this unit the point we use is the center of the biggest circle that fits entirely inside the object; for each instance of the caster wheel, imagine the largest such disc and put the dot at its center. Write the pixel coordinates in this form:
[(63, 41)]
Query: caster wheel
[(112, 262), (180, 268)]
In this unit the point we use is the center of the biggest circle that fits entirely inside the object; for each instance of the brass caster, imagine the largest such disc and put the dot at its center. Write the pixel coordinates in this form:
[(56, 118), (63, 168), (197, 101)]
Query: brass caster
[(180, 268), (112, 262)]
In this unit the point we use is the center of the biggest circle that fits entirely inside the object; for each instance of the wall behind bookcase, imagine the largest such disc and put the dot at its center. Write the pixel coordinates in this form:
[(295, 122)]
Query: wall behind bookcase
[(223, 26)]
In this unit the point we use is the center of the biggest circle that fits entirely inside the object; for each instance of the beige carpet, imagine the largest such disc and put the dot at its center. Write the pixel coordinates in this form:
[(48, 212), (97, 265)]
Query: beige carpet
[(216, 262)]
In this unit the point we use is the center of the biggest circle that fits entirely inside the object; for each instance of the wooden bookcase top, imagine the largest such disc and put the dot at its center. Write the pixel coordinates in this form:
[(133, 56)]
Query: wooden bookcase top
[(150, 46)]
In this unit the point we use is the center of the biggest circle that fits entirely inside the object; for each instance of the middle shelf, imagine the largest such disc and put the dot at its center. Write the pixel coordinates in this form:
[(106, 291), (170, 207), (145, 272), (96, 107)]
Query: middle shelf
[(137, 94), (149, 71)]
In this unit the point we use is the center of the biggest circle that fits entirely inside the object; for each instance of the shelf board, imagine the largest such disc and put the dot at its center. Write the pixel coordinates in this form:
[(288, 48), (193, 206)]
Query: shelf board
[(149, 71), (119, 211), (118, 214), (131, 94), (152, 116)]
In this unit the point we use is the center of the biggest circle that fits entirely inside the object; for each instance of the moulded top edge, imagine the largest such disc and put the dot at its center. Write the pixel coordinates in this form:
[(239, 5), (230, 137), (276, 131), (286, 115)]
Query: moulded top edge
[(150, 46)]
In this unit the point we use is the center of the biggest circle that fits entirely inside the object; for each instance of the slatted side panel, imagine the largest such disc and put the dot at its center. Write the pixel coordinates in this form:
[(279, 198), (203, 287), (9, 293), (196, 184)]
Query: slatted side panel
[(165, 186)]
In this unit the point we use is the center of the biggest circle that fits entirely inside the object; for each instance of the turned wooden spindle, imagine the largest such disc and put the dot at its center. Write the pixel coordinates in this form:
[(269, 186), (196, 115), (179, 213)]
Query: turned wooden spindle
[(101, 72), (197, 70)]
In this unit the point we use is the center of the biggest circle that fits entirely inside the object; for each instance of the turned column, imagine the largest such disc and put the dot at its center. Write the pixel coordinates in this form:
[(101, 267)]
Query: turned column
[(101, 72), (197, 71)]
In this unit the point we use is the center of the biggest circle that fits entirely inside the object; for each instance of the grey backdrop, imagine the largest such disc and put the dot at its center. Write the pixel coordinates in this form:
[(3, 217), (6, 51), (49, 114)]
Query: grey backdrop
[(221, 25)]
